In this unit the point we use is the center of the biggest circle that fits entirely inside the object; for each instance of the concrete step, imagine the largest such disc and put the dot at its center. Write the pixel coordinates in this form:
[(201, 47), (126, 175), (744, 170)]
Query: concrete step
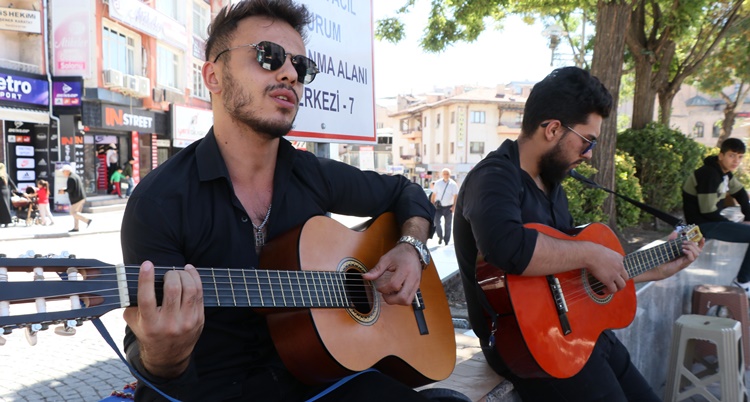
[(104, 203)]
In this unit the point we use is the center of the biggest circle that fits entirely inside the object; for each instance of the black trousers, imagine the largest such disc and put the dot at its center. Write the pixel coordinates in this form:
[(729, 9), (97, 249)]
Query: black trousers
[(447, 214)]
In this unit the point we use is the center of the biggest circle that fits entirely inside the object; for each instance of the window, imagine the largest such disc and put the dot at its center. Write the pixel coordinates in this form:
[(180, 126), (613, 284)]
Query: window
[(437, 149), (167, 67), (478, 117), (519, 119), (201, 19), (717, 129), (453, 117), (404, 125), (698, 130), (379, 124), (171, 8), (199, 87), (453, 148), (386, 139), (425, 122), (425, 149), (476, 147), (118, 50), (437, 123)]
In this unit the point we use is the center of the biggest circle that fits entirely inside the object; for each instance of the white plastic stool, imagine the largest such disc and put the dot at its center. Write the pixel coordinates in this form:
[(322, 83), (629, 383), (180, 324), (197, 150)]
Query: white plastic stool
[(726, 334)]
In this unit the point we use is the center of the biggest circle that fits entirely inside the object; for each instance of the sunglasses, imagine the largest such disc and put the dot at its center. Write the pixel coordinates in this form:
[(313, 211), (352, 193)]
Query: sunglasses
[(272, 56), (591, 143)]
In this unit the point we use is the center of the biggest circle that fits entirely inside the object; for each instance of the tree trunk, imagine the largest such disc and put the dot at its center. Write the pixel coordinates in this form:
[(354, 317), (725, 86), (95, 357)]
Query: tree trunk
[(730, 115), (613, 19), (644, 96)]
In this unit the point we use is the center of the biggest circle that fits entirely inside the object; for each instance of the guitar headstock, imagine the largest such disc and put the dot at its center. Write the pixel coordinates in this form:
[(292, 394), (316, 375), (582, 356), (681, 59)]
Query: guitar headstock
[(690, 232), (37, 292)]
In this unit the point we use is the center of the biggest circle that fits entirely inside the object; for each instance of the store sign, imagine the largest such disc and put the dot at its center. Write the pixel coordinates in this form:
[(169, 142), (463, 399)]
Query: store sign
[(15, 87), (190, 124), (68, 93), (72, 30), (17, 19), (127, 119), (144, 18)]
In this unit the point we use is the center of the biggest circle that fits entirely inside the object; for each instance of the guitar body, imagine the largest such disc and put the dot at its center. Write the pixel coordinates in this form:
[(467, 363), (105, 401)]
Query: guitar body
[(320, 345), (530, 337)]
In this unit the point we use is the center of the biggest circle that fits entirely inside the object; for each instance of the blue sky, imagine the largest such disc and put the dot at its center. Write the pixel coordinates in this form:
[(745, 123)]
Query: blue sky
[(517, 53)]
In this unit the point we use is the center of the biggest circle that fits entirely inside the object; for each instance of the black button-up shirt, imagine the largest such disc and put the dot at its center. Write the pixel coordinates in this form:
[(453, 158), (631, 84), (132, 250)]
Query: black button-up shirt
[(186, 211)]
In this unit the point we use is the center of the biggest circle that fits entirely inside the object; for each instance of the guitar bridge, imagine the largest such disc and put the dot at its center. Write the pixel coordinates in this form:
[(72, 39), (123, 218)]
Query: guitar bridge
[(560, 305)]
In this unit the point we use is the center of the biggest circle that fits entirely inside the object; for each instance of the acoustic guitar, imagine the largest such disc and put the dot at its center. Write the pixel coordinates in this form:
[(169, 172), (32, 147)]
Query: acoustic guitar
[(325, 320), (547, 326)]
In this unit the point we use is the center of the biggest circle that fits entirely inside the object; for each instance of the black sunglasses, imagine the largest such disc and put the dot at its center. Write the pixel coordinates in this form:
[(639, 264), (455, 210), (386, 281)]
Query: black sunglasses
[(591, 143), (272, 56)]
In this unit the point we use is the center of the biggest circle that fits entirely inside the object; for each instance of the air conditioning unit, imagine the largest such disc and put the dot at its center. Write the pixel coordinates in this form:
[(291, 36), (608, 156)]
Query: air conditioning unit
[(130, 84), (144, 87), (113, 79)]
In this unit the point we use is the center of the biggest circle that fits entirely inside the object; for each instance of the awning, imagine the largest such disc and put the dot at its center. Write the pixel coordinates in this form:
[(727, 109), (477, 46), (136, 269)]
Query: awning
[(27, 115)]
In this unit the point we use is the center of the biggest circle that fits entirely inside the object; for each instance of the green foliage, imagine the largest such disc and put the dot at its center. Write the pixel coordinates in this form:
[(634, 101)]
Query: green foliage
[(663, 159), (390, 29), (585, 203)]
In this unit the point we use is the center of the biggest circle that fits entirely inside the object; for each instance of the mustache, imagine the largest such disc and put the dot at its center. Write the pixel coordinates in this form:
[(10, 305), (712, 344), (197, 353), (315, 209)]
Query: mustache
[(283, 86)]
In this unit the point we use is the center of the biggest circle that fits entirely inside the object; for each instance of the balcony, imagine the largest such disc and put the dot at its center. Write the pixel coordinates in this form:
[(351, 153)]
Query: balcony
[(412, 134), (17, 65)]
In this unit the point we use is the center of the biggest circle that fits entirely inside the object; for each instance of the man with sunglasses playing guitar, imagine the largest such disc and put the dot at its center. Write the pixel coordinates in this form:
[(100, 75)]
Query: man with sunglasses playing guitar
[(220, 200), (519, 184)]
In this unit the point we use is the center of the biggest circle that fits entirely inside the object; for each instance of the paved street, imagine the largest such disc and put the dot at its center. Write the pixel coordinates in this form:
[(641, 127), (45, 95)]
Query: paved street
[(82, 367)]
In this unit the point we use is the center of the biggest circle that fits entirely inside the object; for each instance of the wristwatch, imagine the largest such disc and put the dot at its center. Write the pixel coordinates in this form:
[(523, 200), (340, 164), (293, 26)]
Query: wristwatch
[(422, 251)]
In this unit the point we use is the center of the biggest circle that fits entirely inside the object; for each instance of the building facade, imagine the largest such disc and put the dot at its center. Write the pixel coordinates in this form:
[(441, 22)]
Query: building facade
[(81, 77)]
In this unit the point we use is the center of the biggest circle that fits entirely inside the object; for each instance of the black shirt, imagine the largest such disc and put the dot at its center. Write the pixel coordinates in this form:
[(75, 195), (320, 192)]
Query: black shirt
[(186, 211), (495, 200), (75, 188)]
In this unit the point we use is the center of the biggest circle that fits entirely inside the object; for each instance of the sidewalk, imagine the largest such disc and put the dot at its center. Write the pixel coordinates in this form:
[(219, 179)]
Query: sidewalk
[(102, 222)]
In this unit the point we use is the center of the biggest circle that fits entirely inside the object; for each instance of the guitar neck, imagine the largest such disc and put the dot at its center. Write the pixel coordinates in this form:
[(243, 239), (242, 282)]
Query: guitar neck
[(223, 287), (641, 261)]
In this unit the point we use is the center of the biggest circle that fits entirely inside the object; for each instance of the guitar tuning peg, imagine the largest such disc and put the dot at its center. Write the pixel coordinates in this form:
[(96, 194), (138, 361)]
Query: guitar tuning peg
[(31, 332), (68, 329)]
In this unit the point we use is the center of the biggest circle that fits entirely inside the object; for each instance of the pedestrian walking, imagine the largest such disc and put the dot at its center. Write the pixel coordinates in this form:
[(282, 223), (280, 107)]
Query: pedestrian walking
[(444, 197), (77, 196)]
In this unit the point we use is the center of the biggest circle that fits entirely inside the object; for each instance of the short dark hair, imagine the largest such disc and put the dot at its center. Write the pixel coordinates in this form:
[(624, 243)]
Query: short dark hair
[(568, 94), (221, 30), (732, 144)]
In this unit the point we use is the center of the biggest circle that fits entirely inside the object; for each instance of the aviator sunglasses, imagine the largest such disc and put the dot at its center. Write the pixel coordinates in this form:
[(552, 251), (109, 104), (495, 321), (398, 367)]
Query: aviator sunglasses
[(272, 56), (591, 143)]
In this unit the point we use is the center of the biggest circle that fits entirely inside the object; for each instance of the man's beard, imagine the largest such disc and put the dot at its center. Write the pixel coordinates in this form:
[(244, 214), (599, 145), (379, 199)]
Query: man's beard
[(552, 167), (235, 100)]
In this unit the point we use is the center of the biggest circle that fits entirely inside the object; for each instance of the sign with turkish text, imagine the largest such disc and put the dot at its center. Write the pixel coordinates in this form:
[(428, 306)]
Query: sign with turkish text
[(339, 106), (18, 19), (127, 119)]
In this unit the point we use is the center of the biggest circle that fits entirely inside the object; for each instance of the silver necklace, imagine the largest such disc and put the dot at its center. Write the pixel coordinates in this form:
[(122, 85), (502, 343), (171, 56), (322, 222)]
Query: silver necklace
[(260, 237)]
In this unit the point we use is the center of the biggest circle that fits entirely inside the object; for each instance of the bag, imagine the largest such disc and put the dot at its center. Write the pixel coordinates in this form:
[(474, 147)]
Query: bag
[(438, 204)]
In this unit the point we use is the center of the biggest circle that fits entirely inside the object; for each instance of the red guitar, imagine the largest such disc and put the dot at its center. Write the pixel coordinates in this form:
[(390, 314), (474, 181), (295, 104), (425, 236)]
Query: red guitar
[(547, 326), (326, 321)]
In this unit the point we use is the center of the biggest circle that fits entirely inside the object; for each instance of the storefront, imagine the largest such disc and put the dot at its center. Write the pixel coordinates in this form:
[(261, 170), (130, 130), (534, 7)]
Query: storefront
[(127, 132), (26, 146)]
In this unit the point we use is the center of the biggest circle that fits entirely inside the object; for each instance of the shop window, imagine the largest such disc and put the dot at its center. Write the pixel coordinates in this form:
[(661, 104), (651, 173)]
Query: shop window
[(118, 50), (201, 19), (199, 87), (167, 67)]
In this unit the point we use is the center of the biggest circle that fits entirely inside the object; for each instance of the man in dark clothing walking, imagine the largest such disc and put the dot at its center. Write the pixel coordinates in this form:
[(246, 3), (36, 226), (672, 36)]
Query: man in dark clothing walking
[(703, 199), (77, 196)]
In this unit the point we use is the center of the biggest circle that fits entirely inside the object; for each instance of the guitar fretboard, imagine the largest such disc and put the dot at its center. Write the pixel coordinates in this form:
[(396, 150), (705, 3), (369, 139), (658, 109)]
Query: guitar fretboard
[(223, 287), (641, 261)]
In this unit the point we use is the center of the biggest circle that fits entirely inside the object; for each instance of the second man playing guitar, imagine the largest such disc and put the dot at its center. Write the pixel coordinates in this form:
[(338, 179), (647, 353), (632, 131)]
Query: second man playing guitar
[(519, 183)]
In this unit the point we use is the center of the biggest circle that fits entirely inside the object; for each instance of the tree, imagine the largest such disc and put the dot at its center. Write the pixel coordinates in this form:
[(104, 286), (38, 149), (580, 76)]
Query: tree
[(463, 20), (726, 73), (668, 40)]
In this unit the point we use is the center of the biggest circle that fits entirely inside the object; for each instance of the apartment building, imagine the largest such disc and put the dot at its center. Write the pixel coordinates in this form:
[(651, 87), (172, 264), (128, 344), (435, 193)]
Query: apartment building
[(80, 76), (454, 129)]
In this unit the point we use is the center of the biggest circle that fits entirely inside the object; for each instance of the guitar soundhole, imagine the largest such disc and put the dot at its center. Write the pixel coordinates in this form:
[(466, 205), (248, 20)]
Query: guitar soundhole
[(595, 289), (358, 292), (361, 294)]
